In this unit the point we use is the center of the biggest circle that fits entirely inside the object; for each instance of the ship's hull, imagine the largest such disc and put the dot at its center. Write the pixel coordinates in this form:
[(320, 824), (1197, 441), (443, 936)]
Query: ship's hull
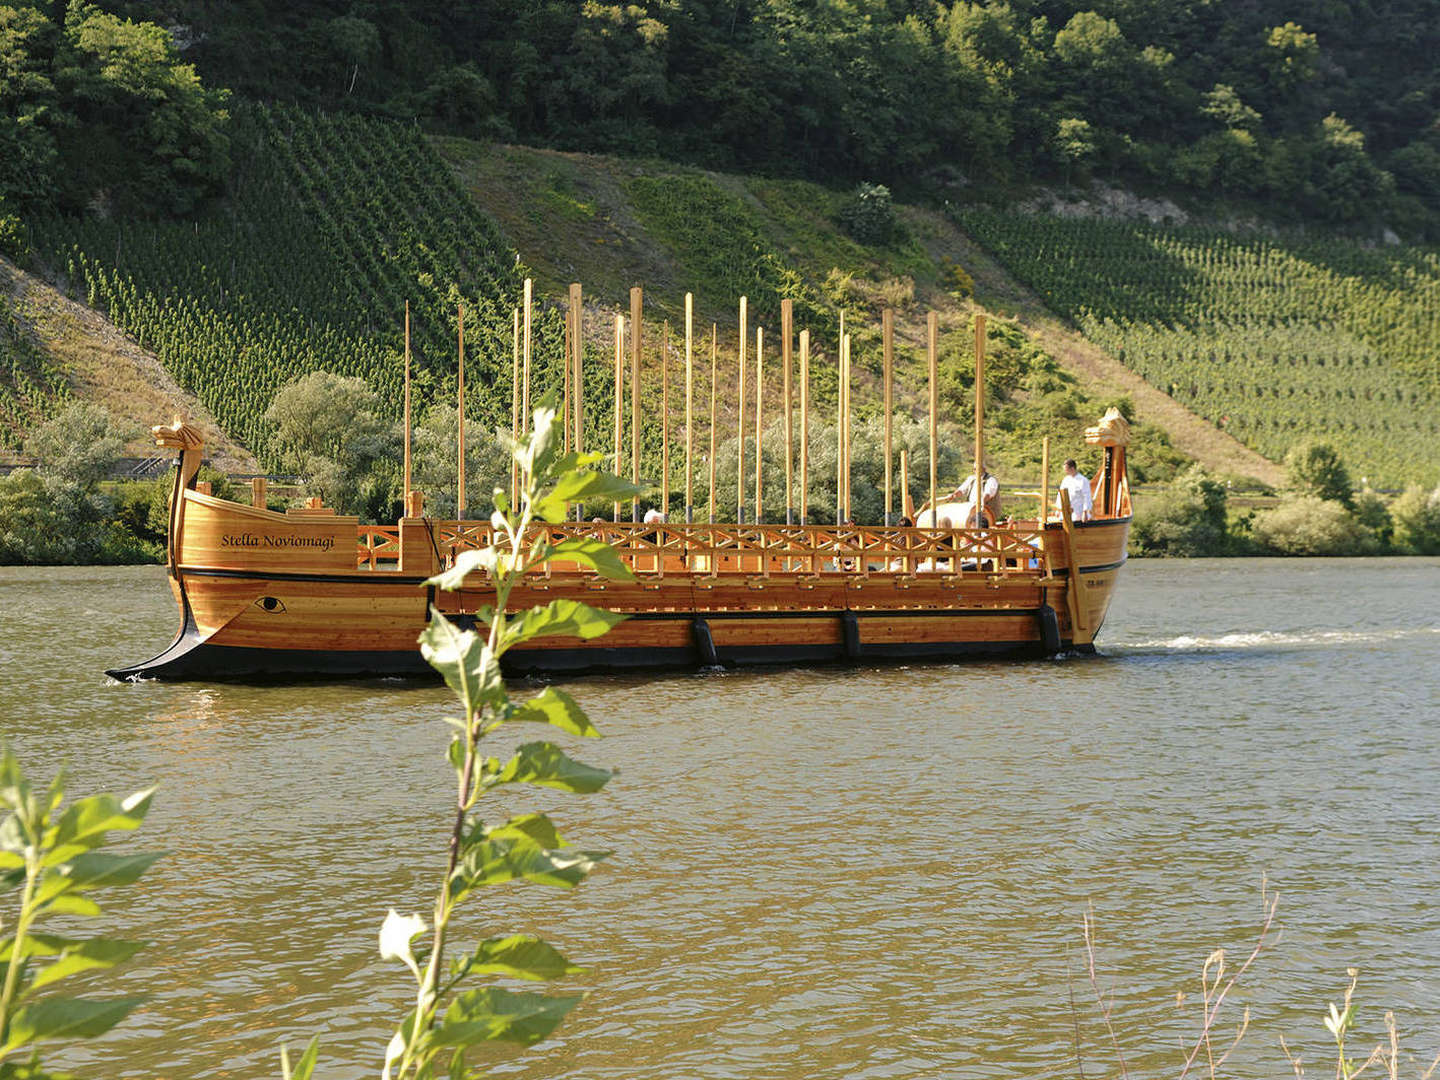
[(264, 594)]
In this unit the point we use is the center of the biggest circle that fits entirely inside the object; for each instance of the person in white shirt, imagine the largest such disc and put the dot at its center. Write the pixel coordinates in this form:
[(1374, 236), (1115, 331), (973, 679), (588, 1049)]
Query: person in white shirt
[(1081, 506)]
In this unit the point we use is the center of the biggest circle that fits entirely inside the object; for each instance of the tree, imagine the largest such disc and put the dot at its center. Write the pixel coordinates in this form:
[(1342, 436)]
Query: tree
[(147, 136), (1074, 143), (330, 430), (78, 446), (1416, 515), (1291, 56), (28, 105), (1315, 468)]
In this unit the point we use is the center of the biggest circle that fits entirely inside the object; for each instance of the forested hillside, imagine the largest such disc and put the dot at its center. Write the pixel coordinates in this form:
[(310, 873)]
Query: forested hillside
[(1320, 110)]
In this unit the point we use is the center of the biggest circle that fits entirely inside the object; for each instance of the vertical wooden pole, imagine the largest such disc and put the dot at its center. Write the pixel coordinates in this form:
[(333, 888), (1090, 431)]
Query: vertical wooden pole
[(714, 350), (577, 344), (525, 356), (407, 484), (665, 419), (565, 377), (257, 492), (1044, 482), (637, 304), (907, 506), (515, 400), (887, 329), (932, 345), (979, 418), (740, 424), (840, 428), (619, 398), (787, 329), (759, 421), (846, 345), (804, 426), (460, 435), (689, 407)]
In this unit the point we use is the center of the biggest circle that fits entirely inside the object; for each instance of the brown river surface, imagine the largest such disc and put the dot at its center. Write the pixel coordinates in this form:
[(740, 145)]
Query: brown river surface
[(865, 873)]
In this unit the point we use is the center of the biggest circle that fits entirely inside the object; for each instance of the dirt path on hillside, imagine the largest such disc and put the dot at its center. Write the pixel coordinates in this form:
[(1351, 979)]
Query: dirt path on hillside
[(105, 366), (1097, 370)]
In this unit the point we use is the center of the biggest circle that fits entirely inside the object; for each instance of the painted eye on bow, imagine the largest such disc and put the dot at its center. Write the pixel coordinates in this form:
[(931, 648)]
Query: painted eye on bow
[(272, 604)]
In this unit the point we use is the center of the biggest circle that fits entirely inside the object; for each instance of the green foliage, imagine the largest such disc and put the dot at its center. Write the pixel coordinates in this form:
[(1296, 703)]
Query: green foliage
[(79, 445), (31, 387), (47, 521), (447, 1021), (1310, 525), (869, 216), (1187, 520), (1416, 515), (331, 431), (100, 113), (1276, 341), (51, 865), (1315, 468)]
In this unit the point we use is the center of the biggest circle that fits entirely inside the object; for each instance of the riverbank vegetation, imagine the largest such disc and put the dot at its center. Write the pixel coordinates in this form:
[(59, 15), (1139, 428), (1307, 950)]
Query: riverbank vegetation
[(1320, 512)]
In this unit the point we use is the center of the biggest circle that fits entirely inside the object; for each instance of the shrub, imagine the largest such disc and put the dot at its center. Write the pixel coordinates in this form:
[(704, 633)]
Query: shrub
[(869, 216), (1417, 521), (1315, 468), (1187, 520), (1310, 525)]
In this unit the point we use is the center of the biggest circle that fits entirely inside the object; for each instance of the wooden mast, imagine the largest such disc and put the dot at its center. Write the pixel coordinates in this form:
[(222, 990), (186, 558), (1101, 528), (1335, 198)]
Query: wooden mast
[(759, 420), (619, 397), (577, 344), (932, 346), (665, 419), (840, 426), (907, 505), (980, 419), (714, 349), (689, 406), (525, 356), (515, 401), (1044, 482), (637, 303), (887, 328), (565, 393), (787, 316), (804, 425), (740, 425), (406, 499), (845, 345), (460, 432)]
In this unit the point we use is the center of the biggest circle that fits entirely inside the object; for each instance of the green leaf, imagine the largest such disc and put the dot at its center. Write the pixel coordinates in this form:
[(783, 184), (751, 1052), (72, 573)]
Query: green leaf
[(596, 554), (552, 706), (466, 563), (572, 617), (305, 1067), (574, 485), (470, 669), (73, 904), (519, 956), (66, 1018), (526, 848), (93, 870), (84, 824), (491, 1014), (86, 956), (546, 765)]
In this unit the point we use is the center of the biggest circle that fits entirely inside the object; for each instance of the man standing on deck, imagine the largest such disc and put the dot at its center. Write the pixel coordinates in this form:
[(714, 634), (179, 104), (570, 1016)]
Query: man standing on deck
[(1081, 505)]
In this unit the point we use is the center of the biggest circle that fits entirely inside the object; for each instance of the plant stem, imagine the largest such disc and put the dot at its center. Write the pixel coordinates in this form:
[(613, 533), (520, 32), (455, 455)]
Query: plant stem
[(17, 948)]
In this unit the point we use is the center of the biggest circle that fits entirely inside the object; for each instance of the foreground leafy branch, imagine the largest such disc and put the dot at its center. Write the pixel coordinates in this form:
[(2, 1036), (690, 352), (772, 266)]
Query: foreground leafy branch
[(447, 1020), (50, 859)]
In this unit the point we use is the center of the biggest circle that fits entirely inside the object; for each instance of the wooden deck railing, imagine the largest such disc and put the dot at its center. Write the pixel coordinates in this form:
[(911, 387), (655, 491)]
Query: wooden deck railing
[(755, 551)]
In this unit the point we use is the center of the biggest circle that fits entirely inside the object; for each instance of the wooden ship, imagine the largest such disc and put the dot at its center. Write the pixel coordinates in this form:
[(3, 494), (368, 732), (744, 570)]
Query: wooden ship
[(310, 592)]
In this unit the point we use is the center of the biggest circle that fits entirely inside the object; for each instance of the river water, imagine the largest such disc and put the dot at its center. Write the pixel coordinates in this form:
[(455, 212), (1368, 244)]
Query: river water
[(817, 873)]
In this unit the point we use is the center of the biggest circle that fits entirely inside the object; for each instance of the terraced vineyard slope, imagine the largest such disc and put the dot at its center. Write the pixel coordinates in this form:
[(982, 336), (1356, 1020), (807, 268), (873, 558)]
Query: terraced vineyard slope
[(335, 222), (1274, 341)]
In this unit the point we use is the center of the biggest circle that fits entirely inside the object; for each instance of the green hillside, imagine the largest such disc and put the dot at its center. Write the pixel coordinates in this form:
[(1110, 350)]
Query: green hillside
[(1274, 340)]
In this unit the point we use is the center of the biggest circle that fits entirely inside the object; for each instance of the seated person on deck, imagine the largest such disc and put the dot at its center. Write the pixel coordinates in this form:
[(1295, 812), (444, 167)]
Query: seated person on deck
[(965, 494)]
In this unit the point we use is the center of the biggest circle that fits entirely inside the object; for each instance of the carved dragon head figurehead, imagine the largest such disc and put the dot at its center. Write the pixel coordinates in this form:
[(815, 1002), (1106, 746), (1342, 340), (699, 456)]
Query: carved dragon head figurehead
[(178, 436), (1112, 430)]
